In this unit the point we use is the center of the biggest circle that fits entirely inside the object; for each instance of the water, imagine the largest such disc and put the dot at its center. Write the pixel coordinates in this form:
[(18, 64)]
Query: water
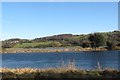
[(83, 60)]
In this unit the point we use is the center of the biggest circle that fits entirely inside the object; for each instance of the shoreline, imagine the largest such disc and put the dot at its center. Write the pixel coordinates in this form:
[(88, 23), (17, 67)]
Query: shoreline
[(54, 49)]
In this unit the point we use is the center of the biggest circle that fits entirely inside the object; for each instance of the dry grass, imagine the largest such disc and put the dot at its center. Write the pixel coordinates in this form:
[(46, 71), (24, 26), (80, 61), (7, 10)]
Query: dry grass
[(64, 71), (73, 49), (61, 69), (57, 73)]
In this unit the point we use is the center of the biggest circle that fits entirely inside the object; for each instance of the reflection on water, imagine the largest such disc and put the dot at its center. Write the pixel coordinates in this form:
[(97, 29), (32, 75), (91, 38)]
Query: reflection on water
[(83, 60)]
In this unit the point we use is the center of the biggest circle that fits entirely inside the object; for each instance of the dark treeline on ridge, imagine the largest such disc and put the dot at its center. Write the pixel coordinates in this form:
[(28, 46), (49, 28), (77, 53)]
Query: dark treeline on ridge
[(109, 40)]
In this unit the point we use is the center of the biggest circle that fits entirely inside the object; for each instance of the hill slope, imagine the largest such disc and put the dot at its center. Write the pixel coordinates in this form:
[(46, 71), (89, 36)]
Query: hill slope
[(111, 39)]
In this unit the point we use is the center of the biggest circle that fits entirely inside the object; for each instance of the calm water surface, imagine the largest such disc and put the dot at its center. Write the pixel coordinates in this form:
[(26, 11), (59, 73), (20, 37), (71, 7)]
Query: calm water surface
[(83, 60)]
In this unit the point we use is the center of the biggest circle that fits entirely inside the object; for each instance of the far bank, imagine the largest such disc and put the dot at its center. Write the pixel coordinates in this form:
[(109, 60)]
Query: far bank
[(53, 49)]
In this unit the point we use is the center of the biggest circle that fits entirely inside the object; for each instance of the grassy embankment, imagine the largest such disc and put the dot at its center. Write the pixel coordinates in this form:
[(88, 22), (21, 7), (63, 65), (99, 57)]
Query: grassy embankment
[(53, 49), (56, 49), (68, 71)]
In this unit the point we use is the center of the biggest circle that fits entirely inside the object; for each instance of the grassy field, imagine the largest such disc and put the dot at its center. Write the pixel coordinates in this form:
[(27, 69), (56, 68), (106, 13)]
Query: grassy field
[(27, 45)]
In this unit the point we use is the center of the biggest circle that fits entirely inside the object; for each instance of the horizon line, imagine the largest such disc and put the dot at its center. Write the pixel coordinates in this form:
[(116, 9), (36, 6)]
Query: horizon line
[(59, 34)]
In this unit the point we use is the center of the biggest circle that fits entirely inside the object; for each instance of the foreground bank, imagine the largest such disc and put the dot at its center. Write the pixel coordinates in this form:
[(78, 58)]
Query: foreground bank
[(60, 73)]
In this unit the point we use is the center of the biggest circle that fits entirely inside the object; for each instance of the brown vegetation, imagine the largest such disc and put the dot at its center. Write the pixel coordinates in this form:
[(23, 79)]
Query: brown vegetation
[(64, 71)]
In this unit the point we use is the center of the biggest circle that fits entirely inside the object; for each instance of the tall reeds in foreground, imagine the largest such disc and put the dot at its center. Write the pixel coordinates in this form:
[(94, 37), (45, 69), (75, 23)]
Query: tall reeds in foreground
[(65, 70), (69, 65)]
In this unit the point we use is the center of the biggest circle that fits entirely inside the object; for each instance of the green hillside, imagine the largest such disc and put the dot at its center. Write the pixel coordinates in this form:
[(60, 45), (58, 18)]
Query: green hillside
[(108, 40)]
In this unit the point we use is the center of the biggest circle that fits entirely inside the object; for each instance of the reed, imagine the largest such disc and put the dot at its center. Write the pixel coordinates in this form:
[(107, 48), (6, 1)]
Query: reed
[(68, 70)]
